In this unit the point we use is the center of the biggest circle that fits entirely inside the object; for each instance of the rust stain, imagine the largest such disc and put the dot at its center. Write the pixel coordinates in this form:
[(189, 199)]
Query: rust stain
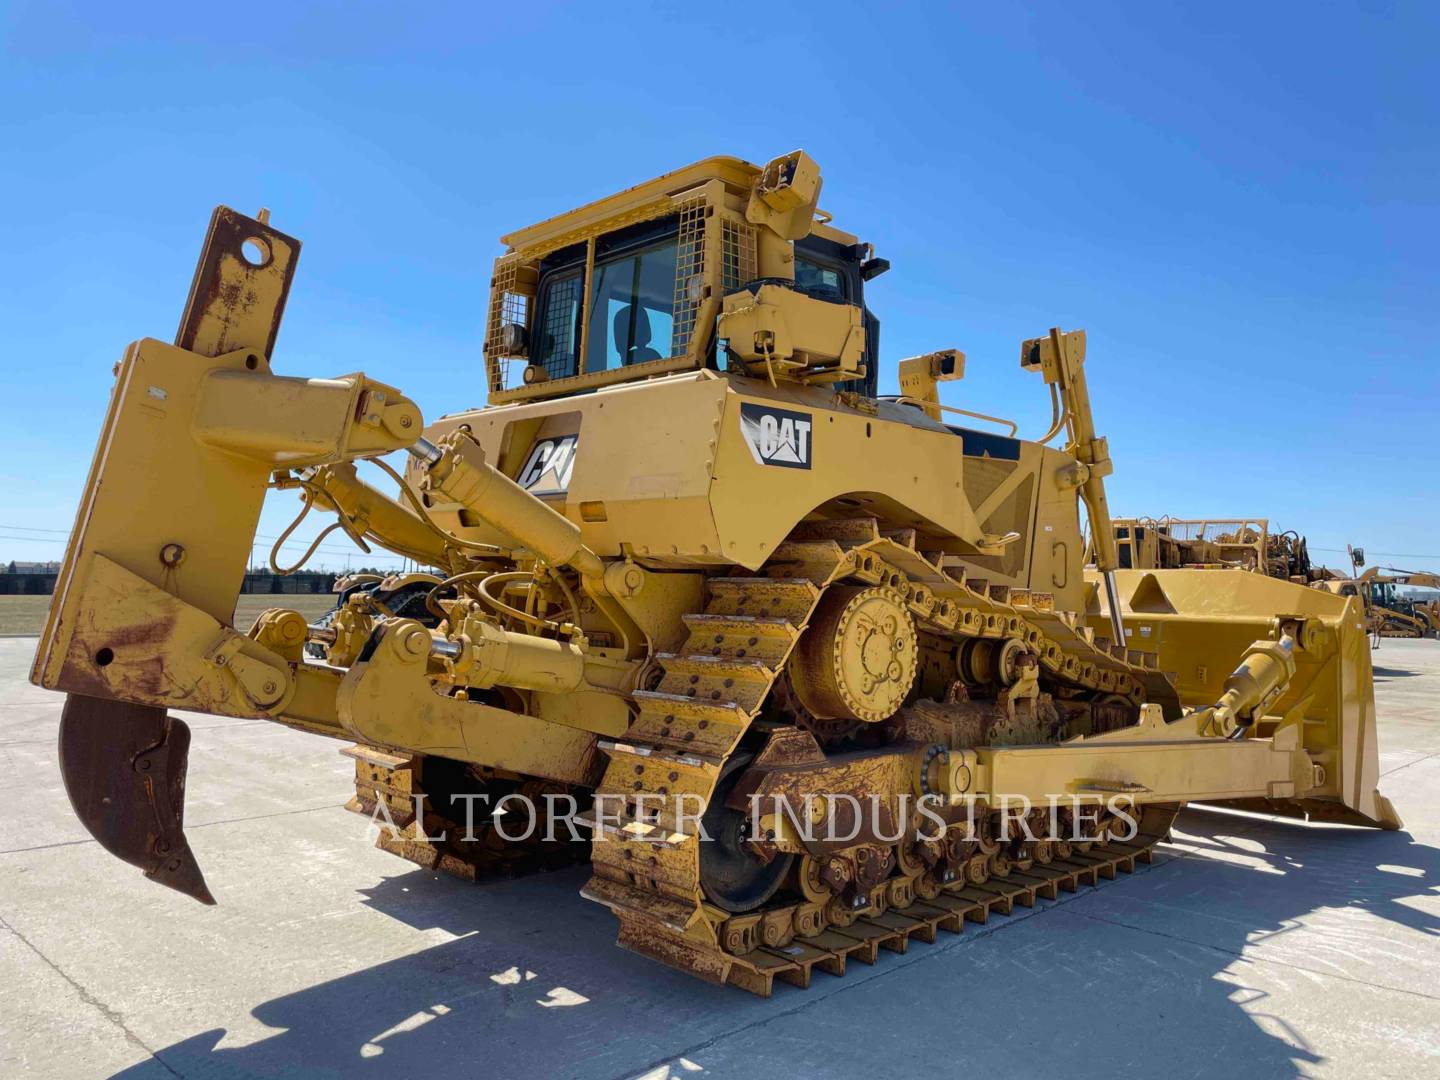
[(233, 304)]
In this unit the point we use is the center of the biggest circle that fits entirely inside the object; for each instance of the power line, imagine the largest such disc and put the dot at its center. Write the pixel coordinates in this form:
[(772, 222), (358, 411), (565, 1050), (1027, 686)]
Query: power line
[(1386, 554)]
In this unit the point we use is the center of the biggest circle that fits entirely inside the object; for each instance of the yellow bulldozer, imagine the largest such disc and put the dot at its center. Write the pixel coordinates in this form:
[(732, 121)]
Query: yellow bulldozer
[(1213, 544), (817, 670)]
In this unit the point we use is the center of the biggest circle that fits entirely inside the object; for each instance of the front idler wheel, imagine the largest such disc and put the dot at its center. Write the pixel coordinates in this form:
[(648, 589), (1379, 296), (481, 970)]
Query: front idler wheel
[(737, 874)]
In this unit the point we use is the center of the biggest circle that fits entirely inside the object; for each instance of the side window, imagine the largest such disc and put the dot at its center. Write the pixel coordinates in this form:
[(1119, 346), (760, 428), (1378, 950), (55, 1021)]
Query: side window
[(559, 344), (632, 309), (821, 282)]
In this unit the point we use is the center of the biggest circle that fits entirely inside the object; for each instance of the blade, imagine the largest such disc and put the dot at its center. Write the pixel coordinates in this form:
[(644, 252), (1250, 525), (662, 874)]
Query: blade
[(124, 770)]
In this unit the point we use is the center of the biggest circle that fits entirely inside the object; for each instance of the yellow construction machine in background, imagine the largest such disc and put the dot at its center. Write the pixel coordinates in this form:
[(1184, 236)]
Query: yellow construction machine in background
[(1388, 612), (686, 564), (1214, 544)]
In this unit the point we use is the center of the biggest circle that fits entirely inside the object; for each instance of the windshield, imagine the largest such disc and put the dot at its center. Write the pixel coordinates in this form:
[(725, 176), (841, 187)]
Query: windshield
[(632, 312)]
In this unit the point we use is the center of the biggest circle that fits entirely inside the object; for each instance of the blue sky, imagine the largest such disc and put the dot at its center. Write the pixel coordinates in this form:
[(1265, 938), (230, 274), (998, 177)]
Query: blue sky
[(1238, 202)]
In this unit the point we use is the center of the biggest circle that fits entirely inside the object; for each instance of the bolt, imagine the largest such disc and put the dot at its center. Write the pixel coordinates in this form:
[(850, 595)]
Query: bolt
[(270, 688), (404, 421)]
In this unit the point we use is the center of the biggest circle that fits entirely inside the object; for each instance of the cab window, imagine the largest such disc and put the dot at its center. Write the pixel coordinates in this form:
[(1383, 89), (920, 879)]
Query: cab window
[(821, 282), (559, 341), (632, 309)]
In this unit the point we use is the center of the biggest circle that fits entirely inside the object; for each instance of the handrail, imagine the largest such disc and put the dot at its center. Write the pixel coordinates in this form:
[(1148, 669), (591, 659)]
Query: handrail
[(905, 399)]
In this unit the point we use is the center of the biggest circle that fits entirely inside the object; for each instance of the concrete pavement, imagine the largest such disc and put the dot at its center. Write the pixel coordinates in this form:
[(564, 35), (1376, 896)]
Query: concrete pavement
[(1254, 947)]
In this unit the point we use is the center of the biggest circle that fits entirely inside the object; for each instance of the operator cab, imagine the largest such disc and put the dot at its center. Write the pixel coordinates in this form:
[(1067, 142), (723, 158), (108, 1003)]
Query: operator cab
[(634, 292), (638, 285)]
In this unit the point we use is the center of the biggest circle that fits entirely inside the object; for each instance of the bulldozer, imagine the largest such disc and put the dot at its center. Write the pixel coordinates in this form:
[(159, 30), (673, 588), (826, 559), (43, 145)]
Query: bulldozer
[(804, 671), (1213, 544)]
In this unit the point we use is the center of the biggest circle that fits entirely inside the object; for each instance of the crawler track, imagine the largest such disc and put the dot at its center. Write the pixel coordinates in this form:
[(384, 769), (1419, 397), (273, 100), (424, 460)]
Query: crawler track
[(894, 928), (477, 853), (647, 867)]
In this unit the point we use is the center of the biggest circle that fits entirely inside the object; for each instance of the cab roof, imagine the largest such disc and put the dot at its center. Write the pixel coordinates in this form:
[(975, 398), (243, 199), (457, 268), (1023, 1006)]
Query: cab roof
[(735, 173)]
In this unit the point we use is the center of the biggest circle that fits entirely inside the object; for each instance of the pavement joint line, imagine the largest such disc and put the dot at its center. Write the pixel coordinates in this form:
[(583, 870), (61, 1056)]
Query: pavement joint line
[(188, 828), (854, 979), (95, 1003), (1251, 958), (1416, 761)]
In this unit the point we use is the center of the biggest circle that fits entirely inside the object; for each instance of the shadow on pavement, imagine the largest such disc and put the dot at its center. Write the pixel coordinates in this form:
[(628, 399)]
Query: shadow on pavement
[(1393, 673), (1148, 982)]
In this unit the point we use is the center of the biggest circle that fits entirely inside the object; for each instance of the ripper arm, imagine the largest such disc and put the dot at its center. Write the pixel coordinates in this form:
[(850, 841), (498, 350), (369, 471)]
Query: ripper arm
[(195, 435), (1060, 358)]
